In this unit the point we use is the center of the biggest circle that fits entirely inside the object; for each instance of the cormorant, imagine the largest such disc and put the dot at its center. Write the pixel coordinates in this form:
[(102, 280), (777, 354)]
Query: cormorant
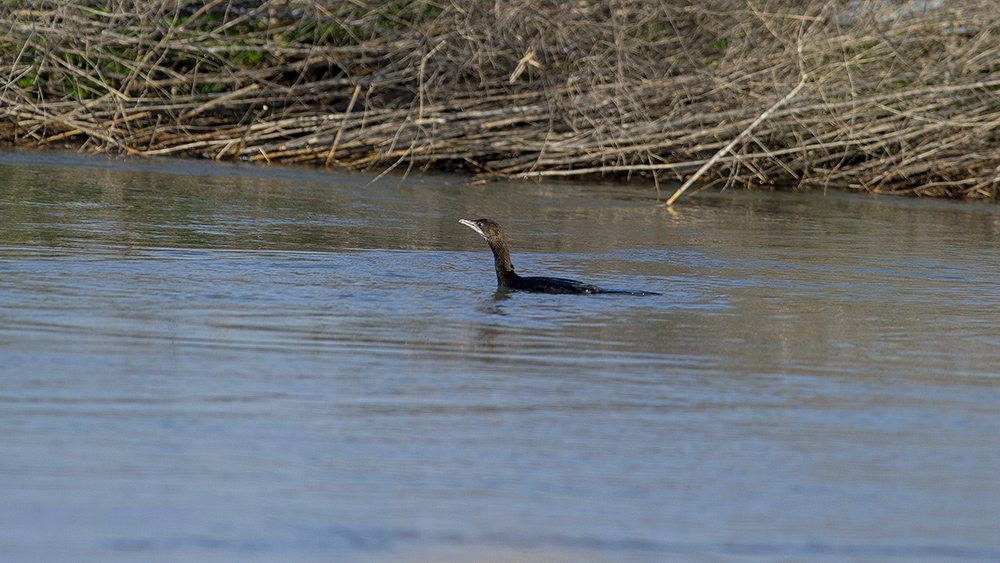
[(507, 278)]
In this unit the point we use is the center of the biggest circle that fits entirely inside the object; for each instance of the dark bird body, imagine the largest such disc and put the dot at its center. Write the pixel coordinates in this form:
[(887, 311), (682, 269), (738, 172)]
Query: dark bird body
[(508, 279)]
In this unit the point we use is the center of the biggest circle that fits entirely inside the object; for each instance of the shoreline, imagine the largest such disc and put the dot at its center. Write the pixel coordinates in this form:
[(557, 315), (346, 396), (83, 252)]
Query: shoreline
[(896, 98)]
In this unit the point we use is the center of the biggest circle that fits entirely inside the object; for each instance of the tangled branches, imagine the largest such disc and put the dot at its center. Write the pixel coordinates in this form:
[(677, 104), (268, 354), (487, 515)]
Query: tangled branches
[(897, 97)]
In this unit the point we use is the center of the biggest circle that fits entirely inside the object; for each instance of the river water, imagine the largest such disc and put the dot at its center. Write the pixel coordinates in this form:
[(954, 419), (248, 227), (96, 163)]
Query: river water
[(210, 362)]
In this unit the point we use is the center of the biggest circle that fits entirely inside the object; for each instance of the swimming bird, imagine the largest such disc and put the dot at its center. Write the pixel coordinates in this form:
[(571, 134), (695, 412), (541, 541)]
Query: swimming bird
[(508, 279)]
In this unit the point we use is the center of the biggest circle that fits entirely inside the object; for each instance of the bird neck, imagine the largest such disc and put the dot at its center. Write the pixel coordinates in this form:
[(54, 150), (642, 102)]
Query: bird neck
[(501, 259)]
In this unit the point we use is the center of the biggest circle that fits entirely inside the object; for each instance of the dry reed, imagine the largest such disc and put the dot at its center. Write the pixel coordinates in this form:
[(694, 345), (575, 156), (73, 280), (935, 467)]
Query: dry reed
[(895, 97)]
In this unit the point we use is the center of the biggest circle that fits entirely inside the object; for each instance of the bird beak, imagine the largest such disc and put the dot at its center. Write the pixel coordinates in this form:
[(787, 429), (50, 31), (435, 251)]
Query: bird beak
[(472, 225)]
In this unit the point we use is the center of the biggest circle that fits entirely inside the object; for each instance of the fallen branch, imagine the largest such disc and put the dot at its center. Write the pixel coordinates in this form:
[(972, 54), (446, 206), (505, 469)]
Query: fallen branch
[(721, 152)]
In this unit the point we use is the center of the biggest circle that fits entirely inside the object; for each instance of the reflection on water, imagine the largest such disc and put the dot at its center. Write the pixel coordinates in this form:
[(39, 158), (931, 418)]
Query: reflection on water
[(216, 362)]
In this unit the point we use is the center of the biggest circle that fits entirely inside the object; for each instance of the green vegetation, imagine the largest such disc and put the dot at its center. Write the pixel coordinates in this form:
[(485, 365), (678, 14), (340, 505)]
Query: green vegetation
[(893, 100)]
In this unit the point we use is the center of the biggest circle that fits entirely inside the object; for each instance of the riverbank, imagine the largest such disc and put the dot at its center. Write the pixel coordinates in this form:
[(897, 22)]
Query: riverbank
[(886, 97)]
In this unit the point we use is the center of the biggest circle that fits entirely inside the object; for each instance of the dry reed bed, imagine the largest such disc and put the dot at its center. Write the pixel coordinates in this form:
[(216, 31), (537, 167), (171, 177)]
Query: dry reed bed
[(895, 97)]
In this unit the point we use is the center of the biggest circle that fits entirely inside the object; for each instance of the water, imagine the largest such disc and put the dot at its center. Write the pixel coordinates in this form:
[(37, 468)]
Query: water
[(232, 363)]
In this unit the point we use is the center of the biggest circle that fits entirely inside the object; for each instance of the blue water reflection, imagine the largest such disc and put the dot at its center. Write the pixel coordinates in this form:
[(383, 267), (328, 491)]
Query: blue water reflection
[(231, 363)]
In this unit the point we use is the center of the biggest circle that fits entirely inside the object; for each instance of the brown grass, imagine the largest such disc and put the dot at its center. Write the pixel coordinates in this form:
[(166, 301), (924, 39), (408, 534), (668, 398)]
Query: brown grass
[(896, 97)]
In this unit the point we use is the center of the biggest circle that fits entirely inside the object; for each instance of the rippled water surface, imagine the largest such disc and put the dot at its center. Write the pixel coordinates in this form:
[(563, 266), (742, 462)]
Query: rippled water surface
[(207, 362)]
